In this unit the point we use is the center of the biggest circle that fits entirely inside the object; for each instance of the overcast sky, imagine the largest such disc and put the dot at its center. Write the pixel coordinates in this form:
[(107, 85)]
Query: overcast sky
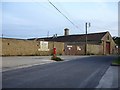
[(39, 19)]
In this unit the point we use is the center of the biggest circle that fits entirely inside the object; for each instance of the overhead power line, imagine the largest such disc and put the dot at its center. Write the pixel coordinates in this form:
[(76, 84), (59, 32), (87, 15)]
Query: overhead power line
[(62, 14)]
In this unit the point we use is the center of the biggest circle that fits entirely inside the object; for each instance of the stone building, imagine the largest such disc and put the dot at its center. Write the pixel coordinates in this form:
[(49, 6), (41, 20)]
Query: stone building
[(97, 43)]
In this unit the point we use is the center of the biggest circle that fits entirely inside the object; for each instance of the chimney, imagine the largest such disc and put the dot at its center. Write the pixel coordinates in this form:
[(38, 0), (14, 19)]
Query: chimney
[(66, 31)]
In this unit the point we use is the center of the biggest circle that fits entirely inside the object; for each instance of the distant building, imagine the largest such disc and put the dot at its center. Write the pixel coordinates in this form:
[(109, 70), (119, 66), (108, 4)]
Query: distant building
[(97, 43)]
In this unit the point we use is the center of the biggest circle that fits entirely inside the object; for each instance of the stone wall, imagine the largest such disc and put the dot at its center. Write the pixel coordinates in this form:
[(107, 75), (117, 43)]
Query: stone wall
[(74, 49), (15, 47), (94, 49)]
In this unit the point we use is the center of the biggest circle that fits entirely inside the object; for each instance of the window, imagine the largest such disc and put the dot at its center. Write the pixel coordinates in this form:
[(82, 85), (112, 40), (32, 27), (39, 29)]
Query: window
[(108, 37), (43, 46)]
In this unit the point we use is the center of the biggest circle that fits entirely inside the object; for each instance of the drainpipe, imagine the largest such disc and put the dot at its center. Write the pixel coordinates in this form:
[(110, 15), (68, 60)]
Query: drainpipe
[(103, 47)]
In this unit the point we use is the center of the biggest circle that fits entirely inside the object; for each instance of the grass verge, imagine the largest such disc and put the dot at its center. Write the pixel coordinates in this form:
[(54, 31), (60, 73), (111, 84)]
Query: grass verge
[(116, 62), (56, 58)]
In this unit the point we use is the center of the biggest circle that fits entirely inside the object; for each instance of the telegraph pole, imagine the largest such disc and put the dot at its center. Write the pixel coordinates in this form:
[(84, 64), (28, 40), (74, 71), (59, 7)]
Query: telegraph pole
[(86, 27), (85, 38)]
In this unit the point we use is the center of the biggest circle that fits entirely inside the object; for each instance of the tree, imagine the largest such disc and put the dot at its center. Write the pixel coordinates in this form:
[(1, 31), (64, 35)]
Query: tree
[(117, 40)]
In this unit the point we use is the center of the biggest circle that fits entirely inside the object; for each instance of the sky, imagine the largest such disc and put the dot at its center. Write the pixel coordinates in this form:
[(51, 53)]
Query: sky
[(34, 19)]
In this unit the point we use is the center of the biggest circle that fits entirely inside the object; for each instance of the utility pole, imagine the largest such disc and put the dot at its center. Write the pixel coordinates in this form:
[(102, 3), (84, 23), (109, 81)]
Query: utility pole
[(48, 34), (86, 27)]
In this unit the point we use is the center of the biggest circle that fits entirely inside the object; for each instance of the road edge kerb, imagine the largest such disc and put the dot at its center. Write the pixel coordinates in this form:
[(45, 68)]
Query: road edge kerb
[(102, 78), (113, 64), (26, 66)]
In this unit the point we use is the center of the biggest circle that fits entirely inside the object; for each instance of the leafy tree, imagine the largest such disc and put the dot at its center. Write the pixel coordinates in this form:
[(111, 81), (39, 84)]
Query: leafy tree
[(117, 40)]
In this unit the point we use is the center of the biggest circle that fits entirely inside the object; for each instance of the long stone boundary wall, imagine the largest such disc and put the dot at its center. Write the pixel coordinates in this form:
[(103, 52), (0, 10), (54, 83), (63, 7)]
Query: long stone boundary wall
[(16, 47)]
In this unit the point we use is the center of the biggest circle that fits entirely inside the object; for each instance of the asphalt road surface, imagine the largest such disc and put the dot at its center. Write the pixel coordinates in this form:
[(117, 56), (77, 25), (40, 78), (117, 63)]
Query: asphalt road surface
[(79, 73)]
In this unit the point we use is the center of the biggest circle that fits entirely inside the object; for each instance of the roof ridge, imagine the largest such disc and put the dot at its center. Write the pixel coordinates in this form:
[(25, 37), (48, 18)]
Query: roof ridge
[(74, 35), (84, 34)]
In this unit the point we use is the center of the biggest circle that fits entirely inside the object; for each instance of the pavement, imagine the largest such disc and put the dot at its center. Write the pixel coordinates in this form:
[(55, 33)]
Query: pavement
[(16, 62), (109, 78)]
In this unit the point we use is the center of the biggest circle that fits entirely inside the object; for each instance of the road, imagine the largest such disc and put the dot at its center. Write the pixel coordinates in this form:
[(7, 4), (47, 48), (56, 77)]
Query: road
[(79, 73), (13, 62)]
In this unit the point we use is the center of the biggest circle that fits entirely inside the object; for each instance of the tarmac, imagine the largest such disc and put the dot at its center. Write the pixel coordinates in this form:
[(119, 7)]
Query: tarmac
[(16, 62), (109, 79)]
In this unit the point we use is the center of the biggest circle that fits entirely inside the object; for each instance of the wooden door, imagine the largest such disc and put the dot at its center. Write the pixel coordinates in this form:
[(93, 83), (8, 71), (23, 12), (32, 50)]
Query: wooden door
[(107, 47)]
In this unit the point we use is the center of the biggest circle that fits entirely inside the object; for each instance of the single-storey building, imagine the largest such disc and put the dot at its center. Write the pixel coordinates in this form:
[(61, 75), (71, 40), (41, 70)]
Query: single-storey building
[(97, 43)]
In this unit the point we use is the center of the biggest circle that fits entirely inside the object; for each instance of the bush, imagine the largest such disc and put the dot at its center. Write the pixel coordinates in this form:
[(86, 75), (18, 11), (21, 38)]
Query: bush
[(90, 54), (51, 54), (56, 58), (60, 54)]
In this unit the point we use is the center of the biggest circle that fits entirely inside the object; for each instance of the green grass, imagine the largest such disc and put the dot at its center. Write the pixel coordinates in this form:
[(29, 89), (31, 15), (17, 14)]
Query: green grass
[(116, 62), (56, 58)]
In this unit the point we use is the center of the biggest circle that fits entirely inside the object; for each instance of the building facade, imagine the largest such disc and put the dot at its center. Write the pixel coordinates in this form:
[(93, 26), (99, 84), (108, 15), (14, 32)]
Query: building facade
[(97, 43)]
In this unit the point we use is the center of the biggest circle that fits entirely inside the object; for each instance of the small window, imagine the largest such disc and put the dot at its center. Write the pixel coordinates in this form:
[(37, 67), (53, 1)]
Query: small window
[(108, 38)]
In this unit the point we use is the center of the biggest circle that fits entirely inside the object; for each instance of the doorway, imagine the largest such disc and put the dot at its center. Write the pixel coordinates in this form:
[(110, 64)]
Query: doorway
[(107, 47)]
